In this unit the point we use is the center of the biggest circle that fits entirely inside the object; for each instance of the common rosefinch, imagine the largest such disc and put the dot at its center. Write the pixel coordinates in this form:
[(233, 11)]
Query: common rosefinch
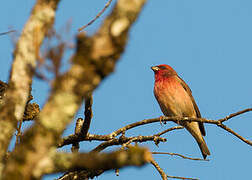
[(175, 99)]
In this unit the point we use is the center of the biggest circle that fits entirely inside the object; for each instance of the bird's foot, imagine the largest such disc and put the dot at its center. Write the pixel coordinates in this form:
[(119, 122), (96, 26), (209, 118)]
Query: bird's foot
[(161, 118)]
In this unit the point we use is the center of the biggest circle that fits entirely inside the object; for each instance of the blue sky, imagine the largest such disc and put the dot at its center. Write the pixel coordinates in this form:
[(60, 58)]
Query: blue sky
[(209, 44)]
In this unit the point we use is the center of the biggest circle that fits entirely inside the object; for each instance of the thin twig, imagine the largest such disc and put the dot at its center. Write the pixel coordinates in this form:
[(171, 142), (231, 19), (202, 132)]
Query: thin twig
[(95, 137), (82, 126), (127, 143), (159, 169), (189, 119), (168, 130), (76, 138), (235, 114), (61, 162), (180, 155), (104, 145), (19, 133), (124, 139), (97, 16), (235, 134), (177, 177), (163, 119), (78, 126), (4, 33), (88, 115)]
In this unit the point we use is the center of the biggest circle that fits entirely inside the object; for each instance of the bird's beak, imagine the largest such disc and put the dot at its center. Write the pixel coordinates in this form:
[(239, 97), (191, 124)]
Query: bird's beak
[(155, 68)]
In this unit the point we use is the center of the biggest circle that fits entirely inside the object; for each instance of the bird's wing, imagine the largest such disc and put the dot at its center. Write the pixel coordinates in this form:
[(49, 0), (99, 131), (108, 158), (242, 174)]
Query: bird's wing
[(188, 90)]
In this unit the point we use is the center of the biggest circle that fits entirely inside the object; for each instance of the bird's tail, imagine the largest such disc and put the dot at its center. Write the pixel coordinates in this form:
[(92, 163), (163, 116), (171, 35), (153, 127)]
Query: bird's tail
[(193, 128), (203, 147)]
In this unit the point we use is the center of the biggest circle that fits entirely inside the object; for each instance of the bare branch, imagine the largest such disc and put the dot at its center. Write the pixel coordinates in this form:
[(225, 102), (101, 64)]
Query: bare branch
[(154, 120), (97, 16), (41, 19), (78, 126), (77, 138), (82, 126), (180, 155), (235, 114), (91, 137), (126, 141), (80, 175), (162, 173), (159, 169), (168, 130), (235, 134), (111, 141), (61, 162), (177, 177), (19, 133), (176, 119), (122, 140), (95, 58), (88, 115), (125, 145), (4, 33)]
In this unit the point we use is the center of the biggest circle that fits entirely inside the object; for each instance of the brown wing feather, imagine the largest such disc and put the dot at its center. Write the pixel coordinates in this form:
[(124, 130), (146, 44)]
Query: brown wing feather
[(188, 90)]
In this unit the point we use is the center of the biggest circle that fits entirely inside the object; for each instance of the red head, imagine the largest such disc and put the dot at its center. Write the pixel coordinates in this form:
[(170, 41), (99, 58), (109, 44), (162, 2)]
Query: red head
[(163, 71)]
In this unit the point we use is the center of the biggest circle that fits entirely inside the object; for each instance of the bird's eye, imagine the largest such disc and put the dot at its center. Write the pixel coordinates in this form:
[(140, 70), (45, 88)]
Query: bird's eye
[(162, 67)]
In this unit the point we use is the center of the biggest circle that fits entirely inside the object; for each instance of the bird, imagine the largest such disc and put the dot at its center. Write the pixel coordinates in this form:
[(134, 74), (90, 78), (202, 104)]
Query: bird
[(175, 99)]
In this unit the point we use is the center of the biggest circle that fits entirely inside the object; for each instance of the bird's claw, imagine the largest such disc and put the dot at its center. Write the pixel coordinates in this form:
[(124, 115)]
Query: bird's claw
[(161, 120)]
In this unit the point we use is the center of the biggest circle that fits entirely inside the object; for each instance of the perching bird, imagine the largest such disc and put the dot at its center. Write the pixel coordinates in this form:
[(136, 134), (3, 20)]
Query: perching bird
[(175, 99)]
